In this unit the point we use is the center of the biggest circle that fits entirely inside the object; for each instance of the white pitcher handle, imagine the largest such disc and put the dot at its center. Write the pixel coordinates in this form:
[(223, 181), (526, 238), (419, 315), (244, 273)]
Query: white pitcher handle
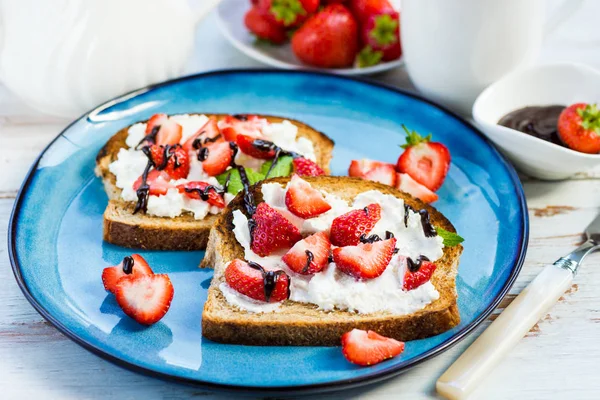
[(206, 7), (560, 14)]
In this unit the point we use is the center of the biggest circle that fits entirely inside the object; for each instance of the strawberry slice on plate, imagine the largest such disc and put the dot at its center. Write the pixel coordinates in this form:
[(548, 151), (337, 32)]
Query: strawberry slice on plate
[(305, 167), (249, 279), (209, 133), (407, 184), (131, 265), (202, 191), (145, 298), (310, 255), (365, 260), (163, 129), (218, 157), (303, 200), (240, 124), (347, 228), (425, 161), (271, 231), (174, 160), (373, 171), (414, 279), (368, 347), (256, 148), (158, 181)]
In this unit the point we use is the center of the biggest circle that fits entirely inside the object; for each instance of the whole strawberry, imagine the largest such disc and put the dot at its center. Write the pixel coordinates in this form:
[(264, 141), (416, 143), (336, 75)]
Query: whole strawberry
[(289, 13), (380, 36), (264, 26), (579, 127), (328, 39), (364, 9)]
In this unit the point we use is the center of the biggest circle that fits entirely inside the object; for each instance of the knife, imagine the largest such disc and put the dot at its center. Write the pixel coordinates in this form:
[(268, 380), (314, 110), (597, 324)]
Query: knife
[(515, 321)]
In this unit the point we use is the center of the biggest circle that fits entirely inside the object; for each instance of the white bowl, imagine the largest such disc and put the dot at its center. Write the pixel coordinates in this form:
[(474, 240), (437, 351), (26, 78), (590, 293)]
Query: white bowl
[(564, 84)]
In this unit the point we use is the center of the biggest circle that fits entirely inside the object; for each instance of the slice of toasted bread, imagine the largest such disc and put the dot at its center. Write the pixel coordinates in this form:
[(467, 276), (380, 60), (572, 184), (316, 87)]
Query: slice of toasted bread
[(302, 324), (123, 228)]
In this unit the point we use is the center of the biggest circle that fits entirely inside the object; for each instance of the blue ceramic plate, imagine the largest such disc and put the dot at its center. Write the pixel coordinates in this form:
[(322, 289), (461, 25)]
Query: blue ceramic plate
[(57, 251)]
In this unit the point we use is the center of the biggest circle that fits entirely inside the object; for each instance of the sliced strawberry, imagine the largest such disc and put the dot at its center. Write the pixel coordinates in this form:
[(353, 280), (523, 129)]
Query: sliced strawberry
[(305, 167), (373, 171), (209, 133), (131, 265), (425, 161), (407, 184), (158, 181), (259, 149), (347, 228), (272, 231), (145, 298), (169, 131), (365, 260), (413, 280), (368, 347), (249, 125), (177, 162), (218, 158), (202, 191), (304, 201), (155, 121), (249, 279), (309, 255)]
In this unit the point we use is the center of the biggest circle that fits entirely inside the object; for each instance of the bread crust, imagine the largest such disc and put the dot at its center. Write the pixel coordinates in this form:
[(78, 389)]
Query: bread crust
[(301, 324), (182, 232)]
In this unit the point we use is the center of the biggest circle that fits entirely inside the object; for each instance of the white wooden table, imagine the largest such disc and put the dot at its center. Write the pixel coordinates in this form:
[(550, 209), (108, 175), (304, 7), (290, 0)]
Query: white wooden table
[(559, 358)]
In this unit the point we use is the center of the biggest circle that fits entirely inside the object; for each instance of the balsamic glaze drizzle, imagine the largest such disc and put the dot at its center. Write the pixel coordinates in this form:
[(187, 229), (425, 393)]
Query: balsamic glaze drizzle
[(428, 229), (270, 279), (369, 239), (128, 265), (204, 193), (309, 259), (415, 266), (143, 192), (241, 117), (150, 138), (266, 146), (203, 154)]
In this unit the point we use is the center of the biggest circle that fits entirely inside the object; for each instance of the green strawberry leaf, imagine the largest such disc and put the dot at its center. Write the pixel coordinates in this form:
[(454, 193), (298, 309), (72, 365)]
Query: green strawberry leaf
[(413, 138), (451, 239), (368, 57), (235, 182), (287, 11), (590, 118), (283, 167), (385, 30)]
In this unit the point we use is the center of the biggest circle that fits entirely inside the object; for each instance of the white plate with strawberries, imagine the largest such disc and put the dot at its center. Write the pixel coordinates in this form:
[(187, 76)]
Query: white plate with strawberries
[(339, 38)]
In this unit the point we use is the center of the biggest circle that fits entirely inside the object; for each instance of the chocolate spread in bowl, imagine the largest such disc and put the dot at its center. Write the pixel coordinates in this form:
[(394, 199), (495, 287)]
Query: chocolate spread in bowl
[(538, 121)]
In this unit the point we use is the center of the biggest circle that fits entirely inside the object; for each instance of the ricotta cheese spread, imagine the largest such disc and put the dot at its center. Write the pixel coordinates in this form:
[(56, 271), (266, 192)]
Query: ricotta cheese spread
[(331, 288), (130, 164)]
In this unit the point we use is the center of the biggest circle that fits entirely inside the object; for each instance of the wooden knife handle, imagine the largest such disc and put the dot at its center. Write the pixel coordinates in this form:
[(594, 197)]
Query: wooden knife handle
[(510, 326)]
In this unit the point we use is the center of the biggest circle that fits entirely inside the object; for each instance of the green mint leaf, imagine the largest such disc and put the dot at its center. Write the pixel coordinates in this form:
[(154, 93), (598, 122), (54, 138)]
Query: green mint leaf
[(235, 182), (413, 138), (451, 239), (367, 57), (283, 167)]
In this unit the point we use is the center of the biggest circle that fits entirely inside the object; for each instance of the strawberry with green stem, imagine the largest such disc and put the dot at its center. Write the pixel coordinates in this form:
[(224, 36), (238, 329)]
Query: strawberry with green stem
[(289, 13), (380, 35), (579, 127)]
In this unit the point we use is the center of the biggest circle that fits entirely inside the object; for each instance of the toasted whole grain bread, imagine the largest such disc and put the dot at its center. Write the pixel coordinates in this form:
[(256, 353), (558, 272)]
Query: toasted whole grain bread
[(123, 228), (301, 324)]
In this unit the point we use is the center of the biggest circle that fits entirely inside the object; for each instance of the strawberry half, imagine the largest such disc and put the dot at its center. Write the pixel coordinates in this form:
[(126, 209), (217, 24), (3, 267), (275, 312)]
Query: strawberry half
[(260, 149), (218, 158), (407, 184), (303, 200), (167, 130), (365, 260), (145, 298), (305, 167), (155, 121), (249, 279), (371, 170), (131, 265), (176, 163), (425, 161), (233, 125), (413, 280), (368, 347), (209, 133), (347, 228), (158, 181), (271, 231), (310, 255), (202, 191)]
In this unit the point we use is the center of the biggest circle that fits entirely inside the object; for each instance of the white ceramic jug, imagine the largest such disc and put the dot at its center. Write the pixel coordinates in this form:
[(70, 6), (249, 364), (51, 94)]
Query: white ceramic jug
[(64, 57)]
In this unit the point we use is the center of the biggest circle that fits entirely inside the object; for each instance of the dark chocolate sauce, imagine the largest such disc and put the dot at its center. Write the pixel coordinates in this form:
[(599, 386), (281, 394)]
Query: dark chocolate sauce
[(330, 258), (369, 239), (407, 208), (538, 121), (270, 279), (388, 235), (309, 259), (204, 193), (428, 229), (150, 138), (241, 117), (414, 266), (266, 146), (128, 265), (203, 154), (143, 192)]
